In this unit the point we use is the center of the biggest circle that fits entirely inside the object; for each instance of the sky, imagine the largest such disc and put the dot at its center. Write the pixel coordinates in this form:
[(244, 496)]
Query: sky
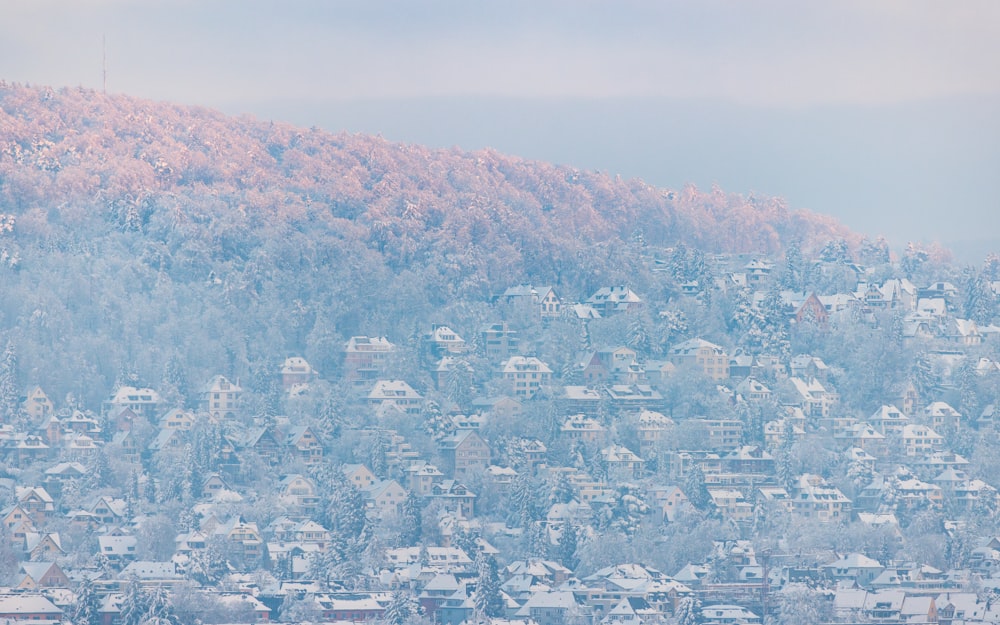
[(881, 113)]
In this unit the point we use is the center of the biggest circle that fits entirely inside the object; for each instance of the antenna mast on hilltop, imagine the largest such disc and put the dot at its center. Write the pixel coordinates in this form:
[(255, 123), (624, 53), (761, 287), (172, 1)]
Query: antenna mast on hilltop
[(104, 62)]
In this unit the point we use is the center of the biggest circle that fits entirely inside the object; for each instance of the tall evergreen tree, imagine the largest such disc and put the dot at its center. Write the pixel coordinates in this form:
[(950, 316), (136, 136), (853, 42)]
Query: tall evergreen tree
[(135, 603), (85, 609), (10, 396), (489, 600), (696, 489), (565, 549)]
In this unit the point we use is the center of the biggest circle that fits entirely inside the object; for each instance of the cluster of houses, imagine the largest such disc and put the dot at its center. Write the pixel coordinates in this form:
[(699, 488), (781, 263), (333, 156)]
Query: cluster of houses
[(71, 517)]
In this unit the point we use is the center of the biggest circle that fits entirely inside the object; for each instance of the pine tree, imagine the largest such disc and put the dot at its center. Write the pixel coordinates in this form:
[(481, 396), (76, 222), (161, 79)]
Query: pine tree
[(783, 459), (696, 489), (346, 510), (402, 607), (159, 610), (563, 490), (688, 611), (10, 397), (412, 519), (377, 454), (488, 601), (135, 603), (86, 607), (459, 383), (793, 271), (565, 550), (980, 301)]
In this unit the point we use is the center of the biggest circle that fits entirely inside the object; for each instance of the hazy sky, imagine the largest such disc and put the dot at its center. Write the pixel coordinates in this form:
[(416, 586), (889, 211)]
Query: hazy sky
[(881, 113)]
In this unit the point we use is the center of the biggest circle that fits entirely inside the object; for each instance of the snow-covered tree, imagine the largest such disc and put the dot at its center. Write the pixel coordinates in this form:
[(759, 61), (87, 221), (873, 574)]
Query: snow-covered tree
[(402, 607), (488, 600), (688, 611), (135, 603), (87, 604), (797, 604)]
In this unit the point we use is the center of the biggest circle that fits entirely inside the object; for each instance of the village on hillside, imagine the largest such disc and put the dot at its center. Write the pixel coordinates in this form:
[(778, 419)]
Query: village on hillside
[(759, 441)]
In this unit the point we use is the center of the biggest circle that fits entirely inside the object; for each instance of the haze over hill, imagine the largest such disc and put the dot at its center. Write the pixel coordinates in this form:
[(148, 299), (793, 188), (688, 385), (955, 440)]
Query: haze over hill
[(164, 225), (879, 114)]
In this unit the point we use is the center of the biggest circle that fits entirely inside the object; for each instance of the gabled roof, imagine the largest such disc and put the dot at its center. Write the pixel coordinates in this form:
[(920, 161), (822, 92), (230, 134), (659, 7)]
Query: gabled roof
[(29, 604), (117, 545), (693, 346), (854, 561)]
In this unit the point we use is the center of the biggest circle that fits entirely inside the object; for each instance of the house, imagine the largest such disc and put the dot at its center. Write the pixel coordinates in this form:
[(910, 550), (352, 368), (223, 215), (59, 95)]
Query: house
[(312, 533), (125, 444), (757, 271), (177, 419), (37, 575), (36, 502), (862, 436), (853, 567), (719, 433), (355, 607), (776, 431), (80, 446), (812, 310), (542, 299), (723, 614), (29, 608), (18, 523), (304, 445), (298, 493), (626, 397), (581, 399), (920, 440), (961, 331), (109, 510), (731, 503), (552, 607), (442, 341), (464, 453), (359, 475), (36, 404), (807, 367), (220, 398), (748, 460), (80, 422), (526, 375), (889, 419), (242, 536), (502, 407), (498, 341), (582, 428), (117, 548), (384, 499), (751, 389), (62, 473), (621, 461), (421, 476), (395, 393), (712, 359), (366, 358), (264, 441), (454, 496), (43, 546), (813, 498), (611, 300), (144, 402), (618, 364), (653, 429), (296, 371), (811, 396), (941, 416)]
